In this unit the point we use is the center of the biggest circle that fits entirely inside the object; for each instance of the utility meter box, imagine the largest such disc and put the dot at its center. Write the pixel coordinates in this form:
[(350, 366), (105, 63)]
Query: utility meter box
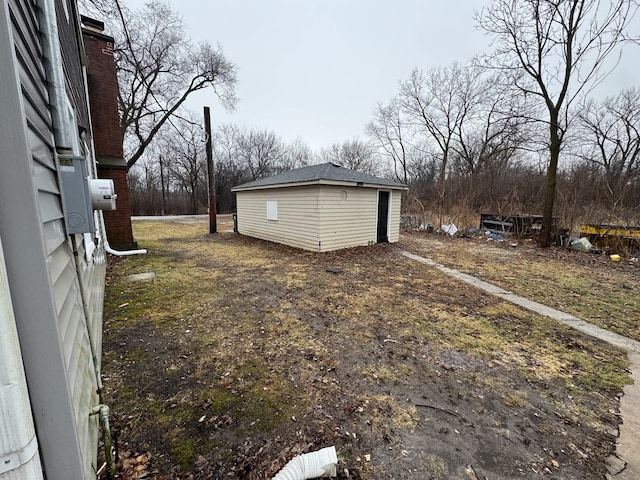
[(76, 196), (81, 195), (103, 195)]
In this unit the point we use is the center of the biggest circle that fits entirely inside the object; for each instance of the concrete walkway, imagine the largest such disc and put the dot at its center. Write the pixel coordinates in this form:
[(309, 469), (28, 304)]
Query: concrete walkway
[(625, 464)]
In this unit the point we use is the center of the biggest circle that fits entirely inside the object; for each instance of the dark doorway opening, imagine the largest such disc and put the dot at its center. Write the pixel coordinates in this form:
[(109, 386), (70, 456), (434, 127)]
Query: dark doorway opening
[(383, 217)]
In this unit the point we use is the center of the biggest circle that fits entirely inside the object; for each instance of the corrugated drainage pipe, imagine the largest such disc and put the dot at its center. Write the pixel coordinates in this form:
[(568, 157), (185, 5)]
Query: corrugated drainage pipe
[(310, 465)]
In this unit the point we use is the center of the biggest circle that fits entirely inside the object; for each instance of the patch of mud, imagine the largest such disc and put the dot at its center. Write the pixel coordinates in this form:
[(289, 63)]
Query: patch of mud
[(452, 359)]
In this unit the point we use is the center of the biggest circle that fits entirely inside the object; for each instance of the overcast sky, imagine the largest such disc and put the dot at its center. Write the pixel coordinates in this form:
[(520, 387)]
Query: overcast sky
[(315, 69)]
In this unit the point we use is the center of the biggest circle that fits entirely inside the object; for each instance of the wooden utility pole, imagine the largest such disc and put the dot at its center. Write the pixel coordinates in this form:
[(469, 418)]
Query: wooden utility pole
[(213, 226), (164, 195)]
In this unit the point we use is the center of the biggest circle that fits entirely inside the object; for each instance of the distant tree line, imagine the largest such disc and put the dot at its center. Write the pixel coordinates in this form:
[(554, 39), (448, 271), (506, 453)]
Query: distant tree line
[(171, 178), (473, 153), (482, 136)]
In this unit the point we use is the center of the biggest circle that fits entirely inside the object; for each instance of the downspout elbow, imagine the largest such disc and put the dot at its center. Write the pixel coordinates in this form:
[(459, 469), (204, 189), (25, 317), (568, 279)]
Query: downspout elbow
[(124, 253)]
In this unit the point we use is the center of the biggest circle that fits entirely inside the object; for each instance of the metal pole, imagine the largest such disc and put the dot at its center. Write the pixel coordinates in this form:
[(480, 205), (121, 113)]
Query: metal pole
[(213, 227)]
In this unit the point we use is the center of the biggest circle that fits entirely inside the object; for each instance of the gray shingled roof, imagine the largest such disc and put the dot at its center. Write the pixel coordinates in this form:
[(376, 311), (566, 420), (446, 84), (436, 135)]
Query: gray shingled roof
[(318, 173)]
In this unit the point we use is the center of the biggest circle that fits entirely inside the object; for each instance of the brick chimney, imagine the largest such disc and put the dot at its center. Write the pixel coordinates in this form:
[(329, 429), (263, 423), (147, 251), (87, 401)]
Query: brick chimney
[(107, 136)]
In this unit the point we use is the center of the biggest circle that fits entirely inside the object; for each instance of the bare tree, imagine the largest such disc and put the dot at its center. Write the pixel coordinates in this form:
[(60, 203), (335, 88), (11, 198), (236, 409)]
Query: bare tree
[(229, 169), (297, 154), (185, 154), (492, 131), (158, 68), (611, 140), (552, 51), (391, 131), (438, 103), (145, 186), (261, 152), (355, 154)]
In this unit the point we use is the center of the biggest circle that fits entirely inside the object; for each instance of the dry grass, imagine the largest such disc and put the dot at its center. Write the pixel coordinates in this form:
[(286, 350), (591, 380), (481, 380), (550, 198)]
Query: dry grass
[(241, 352), (588, 286)]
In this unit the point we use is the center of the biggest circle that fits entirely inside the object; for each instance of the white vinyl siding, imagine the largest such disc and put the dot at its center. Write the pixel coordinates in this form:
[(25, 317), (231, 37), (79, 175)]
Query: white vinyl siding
[(297, 223), (347, 216), (64, 276)]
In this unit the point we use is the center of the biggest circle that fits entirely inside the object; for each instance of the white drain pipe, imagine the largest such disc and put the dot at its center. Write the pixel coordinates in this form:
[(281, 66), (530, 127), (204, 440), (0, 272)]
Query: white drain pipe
[(19, 459), (310, 465), (107, 247), (122, 253)]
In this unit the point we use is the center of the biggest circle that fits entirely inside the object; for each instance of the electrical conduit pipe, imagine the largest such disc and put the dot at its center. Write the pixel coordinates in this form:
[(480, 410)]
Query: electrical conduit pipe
[(310, 465)]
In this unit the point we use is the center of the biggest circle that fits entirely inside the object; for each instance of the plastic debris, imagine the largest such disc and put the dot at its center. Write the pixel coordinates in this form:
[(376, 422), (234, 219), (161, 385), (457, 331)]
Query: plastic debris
[(581, 245), (449, 229)]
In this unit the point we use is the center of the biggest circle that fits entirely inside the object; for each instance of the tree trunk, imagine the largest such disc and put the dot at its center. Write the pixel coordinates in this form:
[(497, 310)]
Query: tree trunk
[(554, 155)]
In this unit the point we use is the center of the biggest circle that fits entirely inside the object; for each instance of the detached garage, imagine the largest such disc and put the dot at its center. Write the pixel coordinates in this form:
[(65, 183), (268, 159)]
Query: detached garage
[(320, 208)]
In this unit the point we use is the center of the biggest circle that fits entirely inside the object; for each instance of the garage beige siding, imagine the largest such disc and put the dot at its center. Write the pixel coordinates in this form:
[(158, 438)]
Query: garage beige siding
[(396, 203), (319, 218), (297, 223), (347, 216)]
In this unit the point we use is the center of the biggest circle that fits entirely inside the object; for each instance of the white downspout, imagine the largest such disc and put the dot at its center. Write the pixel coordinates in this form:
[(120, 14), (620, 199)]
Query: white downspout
[(107, 247), (121, 253), (310, 465), (19, 457)]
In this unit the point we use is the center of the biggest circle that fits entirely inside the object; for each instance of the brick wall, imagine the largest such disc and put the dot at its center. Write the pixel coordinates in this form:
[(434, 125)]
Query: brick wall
[(107, 136), (103, 95), (118, 222)]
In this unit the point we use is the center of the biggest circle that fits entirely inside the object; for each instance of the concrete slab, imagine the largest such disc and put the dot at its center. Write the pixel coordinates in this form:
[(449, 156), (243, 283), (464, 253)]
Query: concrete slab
[(628, 445), (139, 277), (625, 464)]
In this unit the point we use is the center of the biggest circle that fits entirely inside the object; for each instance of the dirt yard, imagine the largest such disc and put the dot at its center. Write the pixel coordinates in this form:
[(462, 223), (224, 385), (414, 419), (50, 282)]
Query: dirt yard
[(241, 354)]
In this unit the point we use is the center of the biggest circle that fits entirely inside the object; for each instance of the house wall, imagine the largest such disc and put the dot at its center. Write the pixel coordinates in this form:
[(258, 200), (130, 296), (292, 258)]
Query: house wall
[(49, 288), (297, 223)]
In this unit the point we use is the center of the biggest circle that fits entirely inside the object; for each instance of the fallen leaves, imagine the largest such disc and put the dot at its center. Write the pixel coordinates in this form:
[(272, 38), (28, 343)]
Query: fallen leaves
[(135, 467)]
